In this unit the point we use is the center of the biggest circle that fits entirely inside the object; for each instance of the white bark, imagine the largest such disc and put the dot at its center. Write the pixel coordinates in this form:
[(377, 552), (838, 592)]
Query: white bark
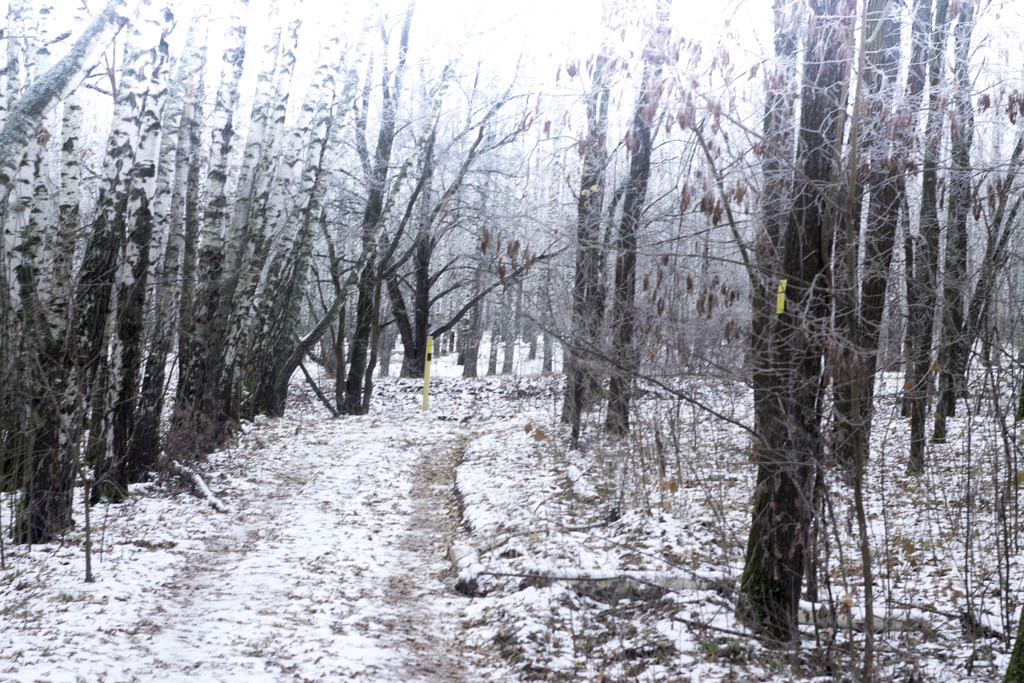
[(143, 172), (215, 227), (128, 178), (60, 271), (69, 208), (195, 379), (55, 85), (255, 157), (133, 265), (18, 13), (276, 130), (303, 147), (39, 39), (6, 94), (108, 237), (172, 173), (266, 121), (200, 486)]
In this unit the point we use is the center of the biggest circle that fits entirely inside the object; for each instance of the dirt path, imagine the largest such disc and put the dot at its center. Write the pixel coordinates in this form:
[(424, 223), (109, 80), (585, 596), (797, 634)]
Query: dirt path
[(330, 565)]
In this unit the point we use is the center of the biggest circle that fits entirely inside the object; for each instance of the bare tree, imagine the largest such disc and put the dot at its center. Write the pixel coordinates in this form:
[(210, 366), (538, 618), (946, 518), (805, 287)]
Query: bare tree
[(367, 303), (921, 291), (624, 354), (581, 372), (790, 451)]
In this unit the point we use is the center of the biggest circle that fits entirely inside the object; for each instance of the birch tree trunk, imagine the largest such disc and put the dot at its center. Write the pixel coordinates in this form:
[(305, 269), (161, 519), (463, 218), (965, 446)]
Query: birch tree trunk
[(55, 85), (48, 413), (274, 357), (190, 252), (116, 411), (44, 507), (168, 218), (266, 120), (196, 406)]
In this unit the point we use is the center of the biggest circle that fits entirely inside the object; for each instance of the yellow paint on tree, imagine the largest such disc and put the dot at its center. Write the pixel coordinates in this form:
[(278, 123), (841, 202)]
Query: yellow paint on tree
[(780, 299), (426, 370)]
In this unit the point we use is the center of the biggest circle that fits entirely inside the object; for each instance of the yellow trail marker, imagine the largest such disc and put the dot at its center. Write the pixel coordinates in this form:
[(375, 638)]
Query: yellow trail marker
[(780, 300), (426, 370)]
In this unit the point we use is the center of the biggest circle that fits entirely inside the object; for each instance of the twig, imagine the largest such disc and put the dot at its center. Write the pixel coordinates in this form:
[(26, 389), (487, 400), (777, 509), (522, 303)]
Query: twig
[(709, 627)]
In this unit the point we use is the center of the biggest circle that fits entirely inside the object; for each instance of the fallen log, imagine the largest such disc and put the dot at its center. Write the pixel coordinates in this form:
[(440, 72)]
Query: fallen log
[(466, 560), (618, 584), (199, 486), (847, 617)]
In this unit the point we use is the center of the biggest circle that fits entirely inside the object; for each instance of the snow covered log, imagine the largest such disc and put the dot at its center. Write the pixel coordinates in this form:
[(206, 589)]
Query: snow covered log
[(466, 560), (624, 583), (849, 617), (202, 490)]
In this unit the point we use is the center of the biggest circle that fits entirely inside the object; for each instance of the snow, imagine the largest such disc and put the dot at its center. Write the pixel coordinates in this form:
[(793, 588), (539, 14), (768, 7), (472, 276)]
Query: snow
[(329, 564), (468, 543)]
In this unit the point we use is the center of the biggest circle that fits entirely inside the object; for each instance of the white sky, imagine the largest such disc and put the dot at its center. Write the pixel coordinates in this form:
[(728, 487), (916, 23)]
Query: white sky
[(499, 30), (541, 35), (494, 32)]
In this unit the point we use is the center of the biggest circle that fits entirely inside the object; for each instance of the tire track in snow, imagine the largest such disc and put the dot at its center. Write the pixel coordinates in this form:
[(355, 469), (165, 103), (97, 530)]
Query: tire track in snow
[(329, 565)]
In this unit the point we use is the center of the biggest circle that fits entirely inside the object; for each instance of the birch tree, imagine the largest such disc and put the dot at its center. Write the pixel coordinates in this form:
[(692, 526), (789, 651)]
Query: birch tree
[(196, 405), (271, 361), (179, 122), (56, 84), (43, 432), (127, 233)]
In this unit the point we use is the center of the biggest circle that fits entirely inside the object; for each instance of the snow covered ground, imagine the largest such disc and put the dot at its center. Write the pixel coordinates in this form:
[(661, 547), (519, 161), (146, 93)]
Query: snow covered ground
[(622, 562), (330, 563), (467, 544)]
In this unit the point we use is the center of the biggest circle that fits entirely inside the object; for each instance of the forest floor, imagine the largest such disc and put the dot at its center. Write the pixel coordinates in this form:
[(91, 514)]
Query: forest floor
[(330, 561), (467, 544)]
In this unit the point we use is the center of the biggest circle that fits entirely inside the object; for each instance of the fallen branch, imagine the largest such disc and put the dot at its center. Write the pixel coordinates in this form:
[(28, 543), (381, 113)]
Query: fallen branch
[(317, 391), (672, 582), (625, 583), (850, 618), (467, 562), (200, 487)]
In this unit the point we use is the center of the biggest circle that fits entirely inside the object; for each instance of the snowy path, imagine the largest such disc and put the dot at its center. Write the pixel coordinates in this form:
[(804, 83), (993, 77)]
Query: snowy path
[(328, 566)]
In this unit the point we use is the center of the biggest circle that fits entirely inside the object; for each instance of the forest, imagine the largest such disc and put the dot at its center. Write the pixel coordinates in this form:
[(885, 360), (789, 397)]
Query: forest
[(442, 340)]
